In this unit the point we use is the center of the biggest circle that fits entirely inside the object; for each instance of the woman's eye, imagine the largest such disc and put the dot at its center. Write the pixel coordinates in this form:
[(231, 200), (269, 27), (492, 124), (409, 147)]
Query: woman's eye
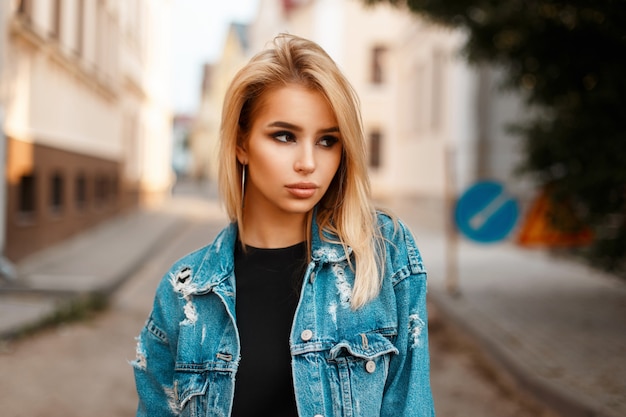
[(328, 141), (283, 136)]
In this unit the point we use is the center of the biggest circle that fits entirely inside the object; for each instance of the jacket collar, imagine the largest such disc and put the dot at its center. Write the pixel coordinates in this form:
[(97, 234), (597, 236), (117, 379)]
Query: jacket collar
[(325, 246), (218, 260)]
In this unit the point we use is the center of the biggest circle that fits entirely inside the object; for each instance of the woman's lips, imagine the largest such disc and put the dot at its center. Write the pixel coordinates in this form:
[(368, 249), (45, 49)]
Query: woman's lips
[(302, 190)]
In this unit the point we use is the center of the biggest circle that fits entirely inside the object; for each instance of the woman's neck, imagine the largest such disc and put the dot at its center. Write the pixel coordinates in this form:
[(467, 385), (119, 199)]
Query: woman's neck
[(273, 232)]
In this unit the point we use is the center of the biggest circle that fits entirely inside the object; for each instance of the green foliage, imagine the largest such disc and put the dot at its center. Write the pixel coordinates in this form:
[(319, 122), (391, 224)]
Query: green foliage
[(568, 58)]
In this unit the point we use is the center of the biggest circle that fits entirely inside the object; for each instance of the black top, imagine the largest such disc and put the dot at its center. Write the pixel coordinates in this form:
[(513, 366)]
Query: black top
[(268, 283)]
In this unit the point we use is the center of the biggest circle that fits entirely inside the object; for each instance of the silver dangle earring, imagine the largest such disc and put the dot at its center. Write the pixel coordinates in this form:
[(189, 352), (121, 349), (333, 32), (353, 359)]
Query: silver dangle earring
[(243, 182)]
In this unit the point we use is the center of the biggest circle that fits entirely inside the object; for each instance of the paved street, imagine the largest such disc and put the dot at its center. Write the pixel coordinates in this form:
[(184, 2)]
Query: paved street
[(81, 369)]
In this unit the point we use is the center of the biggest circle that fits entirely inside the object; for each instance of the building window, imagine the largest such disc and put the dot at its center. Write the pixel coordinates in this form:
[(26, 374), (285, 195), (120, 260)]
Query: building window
[(56, 192), (80, 27), (101, 189), (55, 31), (377, 70), (115, 188), (27, 198), (375, 145), (80, 191)]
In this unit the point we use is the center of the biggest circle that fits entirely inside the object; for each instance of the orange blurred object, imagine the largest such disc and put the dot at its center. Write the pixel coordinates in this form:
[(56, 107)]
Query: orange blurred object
[(539, 226)]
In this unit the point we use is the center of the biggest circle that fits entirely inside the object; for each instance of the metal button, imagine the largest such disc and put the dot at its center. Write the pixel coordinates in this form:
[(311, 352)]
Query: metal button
[(370, 366), (306, 335), (312, 277), (318, 415)]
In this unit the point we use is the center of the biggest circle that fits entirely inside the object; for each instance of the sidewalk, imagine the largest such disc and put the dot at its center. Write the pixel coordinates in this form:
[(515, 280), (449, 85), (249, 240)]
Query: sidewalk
[(557, 327), (91, 264)]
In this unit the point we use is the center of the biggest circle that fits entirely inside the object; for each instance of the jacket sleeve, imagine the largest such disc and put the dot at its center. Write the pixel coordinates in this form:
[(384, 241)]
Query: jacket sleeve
[(408, 391), (155, 361)]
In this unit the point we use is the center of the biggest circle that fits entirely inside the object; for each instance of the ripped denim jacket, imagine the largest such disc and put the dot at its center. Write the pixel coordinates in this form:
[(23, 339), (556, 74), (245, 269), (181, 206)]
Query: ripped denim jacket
[(370, 362)]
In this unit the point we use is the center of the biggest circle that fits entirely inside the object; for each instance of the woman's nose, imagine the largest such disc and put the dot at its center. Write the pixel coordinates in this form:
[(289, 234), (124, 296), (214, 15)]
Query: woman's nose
[(305, 160)]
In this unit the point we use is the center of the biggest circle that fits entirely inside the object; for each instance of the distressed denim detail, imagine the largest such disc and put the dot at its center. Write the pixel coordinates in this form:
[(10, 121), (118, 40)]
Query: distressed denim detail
[(344, 289), (141, 360), (416, 328), (370, 362), (152, 328)]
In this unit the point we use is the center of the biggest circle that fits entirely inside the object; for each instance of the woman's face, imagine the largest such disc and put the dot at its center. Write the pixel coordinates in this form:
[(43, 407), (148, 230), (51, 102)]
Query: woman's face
[(292, 153)]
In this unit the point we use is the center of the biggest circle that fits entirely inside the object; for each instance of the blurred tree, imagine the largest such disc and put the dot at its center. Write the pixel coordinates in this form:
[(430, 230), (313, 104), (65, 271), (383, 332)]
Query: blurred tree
[(568, 59)]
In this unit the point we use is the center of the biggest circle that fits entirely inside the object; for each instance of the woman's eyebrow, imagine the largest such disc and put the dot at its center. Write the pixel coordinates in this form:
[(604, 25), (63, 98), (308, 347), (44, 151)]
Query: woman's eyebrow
[(333, 129), (290, 126), (285, 125)]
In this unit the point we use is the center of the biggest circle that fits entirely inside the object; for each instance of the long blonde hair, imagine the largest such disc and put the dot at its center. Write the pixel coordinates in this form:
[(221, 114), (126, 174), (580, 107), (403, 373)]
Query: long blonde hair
[(346, 209)]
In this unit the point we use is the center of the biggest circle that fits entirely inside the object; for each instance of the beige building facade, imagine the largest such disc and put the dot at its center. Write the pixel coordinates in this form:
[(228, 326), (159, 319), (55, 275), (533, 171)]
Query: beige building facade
[(84, 89), (408, 78), (216, 78), (433, 124)]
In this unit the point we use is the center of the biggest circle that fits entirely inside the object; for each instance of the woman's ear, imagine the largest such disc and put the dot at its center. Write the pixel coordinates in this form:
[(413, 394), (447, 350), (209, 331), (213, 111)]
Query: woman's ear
[(242, 154)]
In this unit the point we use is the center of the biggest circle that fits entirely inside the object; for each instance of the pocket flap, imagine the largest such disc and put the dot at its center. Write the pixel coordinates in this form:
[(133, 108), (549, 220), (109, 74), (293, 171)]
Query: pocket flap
[(188, 385), (365, 345)]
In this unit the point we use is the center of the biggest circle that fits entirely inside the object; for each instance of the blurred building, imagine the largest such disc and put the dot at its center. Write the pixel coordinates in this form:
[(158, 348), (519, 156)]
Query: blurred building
[(85, 92), (204, 131), (433, 124), (216, 77)]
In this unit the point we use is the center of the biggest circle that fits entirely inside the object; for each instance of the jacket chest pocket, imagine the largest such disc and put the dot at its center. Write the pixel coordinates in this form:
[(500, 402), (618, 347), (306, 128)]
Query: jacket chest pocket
[(358, 371)]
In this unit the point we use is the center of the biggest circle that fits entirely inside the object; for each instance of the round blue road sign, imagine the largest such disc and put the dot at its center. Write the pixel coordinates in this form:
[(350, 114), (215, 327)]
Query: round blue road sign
[(485, 212)]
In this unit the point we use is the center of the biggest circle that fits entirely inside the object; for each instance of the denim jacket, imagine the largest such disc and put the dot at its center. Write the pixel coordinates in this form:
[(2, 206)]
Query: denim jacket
[(345, 363)]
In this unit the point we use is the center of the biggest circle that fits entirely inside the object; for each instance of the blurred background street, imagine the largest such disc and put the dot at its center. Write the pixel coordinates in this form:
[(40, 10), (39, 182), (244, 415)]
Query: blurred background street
[(81, 368), (493, 129)]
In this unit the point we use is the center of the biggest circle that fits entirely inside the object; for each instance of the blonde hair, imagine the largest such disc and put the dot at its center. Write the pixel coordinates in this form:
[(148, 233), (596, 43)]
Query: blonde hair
[(346, 209)]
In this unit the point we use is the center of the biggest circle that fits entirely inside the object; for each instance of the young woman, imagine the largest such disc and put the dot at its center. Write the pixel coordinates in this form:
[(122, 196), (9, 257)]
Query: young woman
[(310, 302)]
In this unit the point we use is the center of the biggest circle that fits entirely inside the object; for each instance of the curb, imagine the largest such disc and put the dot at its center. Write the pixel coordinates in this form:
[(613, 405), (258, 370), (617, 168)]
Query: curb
[(545, 392)]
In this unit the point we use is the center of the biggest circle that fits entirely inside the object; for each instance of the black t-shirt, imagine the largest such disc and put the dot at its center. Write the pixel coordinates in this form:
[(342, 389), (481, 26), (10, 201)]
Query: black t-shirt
[(268, 283)]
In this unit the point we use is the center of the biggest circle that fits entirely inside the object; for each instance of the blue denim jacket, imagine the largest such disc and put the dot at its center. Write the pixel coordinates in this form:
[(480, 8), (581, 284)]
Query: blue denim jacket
[(370, 362)]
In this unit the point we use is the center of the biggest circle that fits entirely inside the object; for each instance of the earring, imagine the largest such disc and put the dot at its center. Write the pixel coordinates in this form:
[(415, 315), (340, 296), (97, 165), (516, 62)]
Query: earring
[(243, 182)]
